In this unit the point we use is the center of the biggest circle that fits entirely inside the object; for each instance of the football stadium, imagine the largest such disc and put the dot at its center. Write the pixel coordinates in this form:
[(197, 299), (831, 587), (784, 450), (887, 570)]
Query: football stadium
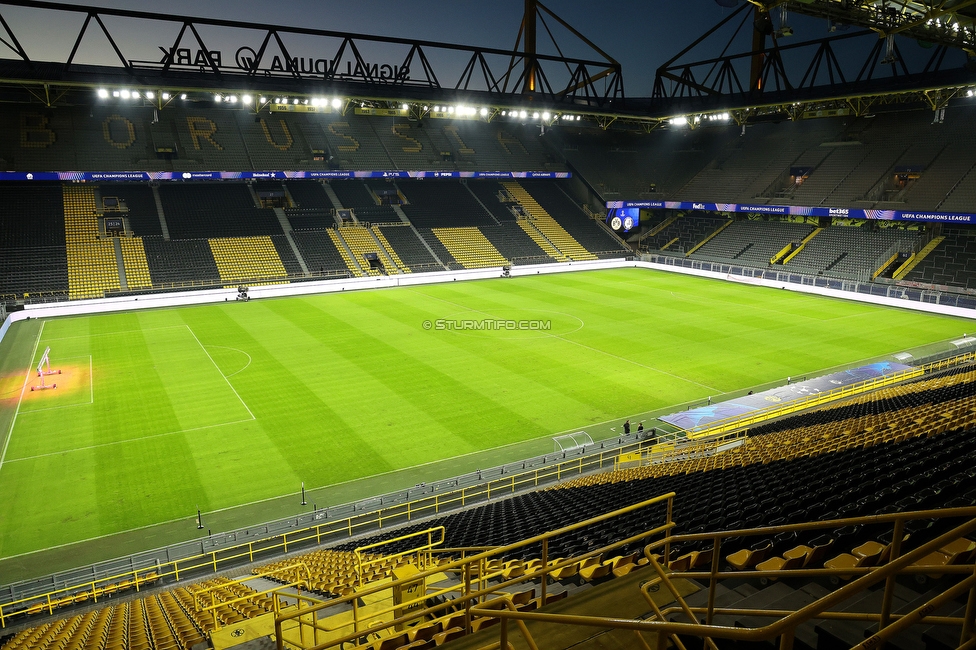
[(315, 339)]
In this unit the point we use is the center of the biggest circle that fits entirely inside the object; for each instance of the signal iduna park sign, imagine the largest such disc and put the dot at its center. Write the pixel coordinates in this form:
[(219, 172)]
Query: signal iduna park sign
[(800, 210)]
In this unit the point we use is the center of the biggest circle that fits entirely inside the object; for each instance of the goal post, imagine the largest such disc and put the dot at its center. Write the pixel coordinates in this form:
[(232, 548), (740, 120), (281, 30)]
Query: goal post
[(571, 441), (44, 369)]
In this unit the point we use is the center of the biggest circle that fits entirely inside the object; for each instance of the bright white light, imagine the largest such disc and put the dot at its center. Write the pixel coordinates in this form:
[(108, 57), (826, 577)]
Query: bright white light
[(404, 107), (295, 102), (116, 93), (484, 112), (678, 121), (425, 108), (304, 102), (218, 97), (577, 118), (135, 94), (166, 96), (232, 99), (263, 100), (150, 94), (535, 116), (125, 94), (103, 94), (183, 96), (450, 109), (545, 115), (523, 114), (246, 99), (504, 113), (336, 102)]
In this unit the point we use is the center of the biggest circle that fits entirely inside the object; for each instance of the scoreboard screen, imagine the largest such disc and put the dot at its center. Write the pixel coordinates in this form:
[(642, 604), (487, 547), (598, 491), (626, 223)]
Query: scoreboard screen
[(623, 219)]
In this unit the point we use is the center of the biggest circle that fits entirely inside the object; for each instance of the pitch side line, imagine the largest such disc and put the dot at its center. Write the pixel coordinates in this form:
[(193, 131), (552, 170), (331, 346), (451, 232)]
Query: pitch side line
[(221, 373), (30, 364), (583, 345)]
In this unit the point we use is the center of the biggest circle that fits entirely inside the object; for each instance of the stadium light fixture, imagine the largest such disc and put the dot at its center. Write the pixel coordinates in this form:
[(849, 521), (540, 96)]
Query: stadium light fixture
[(135, 94), (125, 94), (336, 102), (103, 94), (577, 118), (425, 108), (263, 100), (678, 121), (404, 107), (246, 99), (183, 96), (166, 97), (545, 115), (150, 94), (295, 102), (523, 114), (484, 112), (450, 109), (218, 97)]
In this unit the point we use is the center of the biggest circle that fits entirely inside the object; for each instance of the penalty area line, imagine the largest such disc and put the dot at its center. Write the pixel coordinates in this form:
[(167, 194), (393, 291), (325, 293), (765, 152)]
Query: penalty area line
[(20, 400)]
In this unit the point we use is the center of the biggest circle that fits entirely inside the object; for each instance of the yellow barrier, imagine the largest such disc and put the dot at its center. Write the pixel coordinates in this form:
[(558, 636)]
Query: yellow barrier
[(251, 551), (881, 269), (429, 533)]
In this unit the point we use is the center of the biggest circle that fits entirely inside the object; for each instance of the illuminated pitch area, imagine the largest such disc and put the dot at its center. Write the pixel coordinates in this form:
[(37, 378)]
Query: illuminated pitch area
[(158, 412)]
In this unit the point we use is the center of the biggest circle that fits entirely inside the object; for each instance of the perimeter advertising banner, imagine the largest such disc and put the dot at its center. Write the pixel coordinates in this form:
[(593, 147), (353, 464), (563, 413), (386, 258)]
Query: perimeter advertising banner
[(703, 417), (96, 177), (800, 210)]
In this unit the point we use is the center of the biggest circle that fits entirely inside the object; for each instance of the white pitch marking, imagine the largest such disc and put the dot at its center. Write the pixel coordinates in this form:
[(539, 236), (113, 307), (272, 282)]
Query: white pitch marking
[(126, 441), (10, 431), (221, 374)]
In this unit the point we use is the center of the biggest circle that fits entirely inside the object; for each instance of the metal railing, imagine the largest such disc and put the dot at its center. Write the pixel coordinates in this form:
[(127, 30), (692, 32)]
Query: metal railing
[(915, 291), (272, 541), (308, 627), (784, 628)]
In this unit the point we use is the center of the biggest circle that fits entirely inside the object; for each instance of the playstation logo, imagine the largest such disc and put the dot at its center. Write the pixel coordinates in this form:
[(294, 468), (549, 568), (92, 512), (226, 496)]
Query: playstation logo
[(30, 176)]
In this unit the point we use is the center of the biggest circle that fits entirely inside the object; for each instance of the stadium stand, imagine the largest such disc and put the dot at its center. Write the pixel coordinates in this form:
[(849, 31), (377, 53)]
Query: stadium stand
[(180, 263), (562, 243), (469, 247), (684, 233), (353, 194), (952, 262), (137, 204), (93, 268), (319, 251), (409, 248), (246, 259), (33, 258), (200, 210), (571, 217), (515, 244), (752, 243), (851, 252), (443, 204)]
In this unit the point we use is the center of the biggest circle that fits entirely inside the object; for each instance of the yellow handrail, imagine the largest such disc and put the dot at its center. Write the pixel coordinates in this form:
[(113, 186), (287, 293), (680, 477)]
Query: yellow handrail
[(249, 551), (429, 533)]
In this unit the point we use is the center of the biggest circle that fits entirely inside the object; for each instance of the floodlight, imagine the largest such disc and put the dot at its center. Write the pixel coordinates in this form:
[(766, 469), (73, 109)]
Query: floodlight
[(295, 101), (263, 100), (125, 94), (535, 116), (577, 118), (217, 97), (678, 121), (484, 112), (450, 109), (404, 107), (545, 115), (232, 99), (135, 94), (103, 94), (246, 99), (183, 96), (336, 102), (150, 94), (166, 97)]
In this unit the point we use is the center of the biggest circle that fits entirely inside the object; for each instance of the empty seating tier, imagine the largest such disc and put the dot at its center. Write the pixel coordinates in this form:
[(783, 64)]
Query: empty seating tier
[(206, 210), (443, 204), (469, 247), (250, 260), (93, 268), (409, 248)]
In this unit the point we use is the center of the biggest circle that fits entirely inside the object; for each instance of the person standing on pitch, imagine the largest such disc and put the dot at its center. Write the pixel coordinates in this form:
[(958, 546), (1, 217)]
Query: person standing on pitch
[(627, 428)]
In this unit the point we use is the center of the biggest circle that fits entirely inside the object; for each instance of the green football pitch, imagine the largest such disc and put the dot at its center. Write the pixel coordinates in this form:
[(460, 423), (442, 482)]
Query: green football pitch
[(224, 406)]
